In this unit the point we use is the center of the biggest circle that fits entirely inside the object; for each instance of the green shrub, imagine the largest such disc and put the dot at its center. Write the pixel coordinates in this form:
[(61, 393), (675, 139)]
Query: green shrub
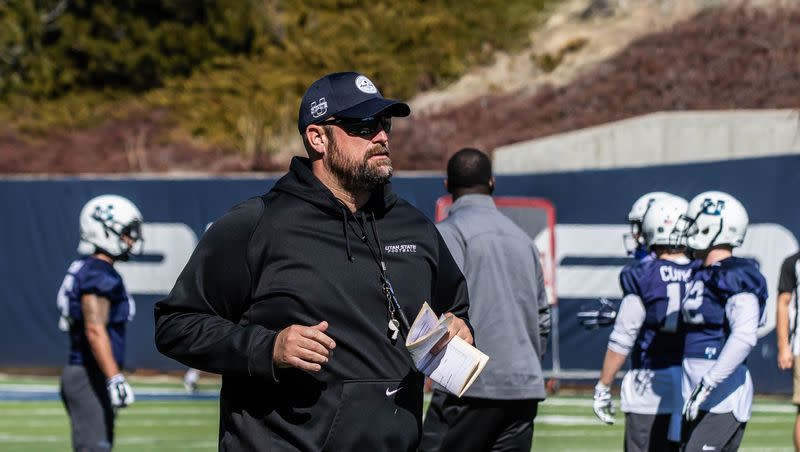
[(233, 71)]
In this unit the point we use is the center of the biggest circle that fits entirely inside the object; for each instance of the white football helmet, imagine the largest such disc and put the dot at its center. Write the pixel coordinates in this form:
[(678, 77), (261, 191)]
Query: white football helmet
[(714, 218), (633, 239), (106, 219), (660, 221)]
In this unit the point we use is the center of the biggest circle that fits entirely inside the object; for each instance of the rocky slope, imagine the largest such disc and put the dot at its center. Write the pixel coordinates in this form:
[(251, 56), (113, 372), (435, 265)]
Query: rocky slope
[(618, 59)]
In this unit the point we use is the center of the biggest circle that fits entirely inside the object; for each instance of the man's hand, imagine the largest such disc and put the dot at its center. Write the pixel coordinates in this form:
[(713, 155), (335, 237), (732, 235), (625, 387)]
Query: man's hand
[(303, 347), (603, 403), (699, 395), (119, 391), (458, 327), (785, 358)]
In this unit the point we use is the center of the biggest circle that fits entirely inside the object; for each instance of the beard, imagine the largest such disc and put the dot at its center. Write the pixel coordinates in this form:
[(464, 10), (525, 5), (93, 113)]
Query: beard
[(359, 175)]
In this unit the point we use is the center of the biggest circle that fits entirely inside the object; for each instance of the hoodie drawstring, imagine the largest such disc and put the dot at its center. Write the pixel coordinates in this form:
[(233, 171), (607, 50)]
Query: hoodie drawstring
[(345, 222), (377, 239)]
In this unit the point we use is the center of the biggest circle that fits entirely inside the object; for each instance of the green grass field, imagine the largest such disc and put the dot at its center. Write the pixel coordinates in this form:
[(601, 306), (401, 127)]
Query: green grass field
[(564, 423)]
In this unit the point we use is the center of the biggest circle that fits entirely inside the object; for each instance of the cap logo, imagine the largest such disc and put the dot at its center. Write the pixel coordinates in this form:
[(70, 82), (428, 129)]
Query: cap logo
[(365, 85), (319, 108)]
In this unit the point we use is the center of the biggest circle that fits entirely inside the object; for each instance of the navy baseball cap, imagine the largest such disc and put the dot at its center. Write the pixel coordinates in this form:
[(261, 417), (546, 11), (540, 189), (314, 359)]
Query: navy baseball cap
[(345, 95)]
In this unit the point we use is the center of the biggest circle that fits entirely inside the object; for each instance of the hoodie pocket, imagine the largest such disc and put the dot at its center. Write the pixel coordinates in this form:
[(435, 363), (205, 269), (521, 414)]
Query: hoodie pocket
[(377, 415)]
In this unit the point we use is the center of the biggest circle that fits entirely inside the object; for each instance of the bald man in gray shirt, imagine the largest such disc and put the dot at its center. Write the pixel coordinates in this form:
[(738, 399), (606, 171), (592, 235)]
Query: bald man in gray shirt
[(509, 311)]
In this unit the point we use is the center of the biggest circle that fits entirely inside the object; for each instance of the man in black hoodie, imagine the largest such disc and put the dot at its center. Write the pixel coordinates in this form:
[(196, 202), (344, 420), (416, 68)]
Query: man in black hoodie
[(296, 297)]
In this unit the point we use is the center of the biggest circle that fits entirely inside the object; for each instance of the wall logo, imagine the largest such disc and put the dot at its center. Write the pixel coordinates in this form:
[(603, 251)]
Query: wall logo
[(404, 248), (319, 107), (365, 85)]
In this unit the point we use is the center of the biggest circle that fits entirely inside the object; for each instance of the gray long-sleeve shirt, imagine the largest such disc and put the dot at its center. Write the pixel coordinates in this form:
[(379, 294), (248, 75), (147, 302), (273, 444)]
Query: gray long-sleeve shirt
[(508, 309)]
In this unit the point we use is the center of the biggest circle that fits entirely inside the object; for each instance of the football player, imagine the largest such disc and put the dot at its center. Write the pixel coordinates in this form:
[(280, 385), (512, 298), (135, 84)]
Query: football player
[(190, 379), (95, 307), (602, 312), (633, 241), (722, 309), (648, 329)]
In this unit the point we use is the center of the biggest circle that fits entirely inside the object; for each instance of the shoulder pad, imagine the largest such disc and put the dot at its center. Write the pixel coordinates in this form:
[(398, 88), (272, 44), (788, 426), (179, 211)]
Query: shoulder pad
[(738, 275), (98, 280), (630, 276)]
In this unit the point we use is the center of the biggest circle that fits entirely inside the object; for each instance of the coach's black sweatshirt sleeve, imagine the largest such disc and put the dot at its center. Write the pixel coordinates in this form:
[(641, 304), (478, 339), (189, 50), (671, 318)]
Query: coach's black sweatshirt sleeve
[(198, 323)]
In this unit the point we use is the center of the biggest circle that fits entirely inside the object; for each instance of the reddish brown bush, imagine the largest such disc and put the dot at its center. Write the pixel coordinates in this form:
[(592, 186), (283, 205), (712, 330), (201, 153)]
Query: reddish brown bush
[(720, 59)]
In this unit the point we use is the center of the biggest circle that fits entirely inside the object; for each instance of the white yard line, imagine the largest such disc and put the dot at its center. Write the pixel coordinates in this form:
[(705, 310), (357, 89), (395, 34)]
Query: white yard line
[(788, 408), (129, 440), (53, 389), (128, 422), (559, 401), (565, 420), (31, 412), (765, 449), (5, 437), (161, 441), (573, 432), (587, 402), (132, 411)]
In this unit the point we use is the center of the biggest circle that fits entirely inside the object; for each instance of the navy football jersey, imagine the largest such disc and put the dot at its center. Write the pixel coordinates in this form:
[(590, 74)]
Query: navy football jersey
[(704, 304), (91, 275), (661, 285)]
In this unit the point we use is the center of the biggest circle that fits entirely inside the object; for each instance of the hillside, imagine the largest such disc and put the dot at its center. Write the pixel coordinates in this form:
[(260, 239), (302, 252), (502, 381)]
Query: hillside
[(723, 57), (102, 85), (591, 62)]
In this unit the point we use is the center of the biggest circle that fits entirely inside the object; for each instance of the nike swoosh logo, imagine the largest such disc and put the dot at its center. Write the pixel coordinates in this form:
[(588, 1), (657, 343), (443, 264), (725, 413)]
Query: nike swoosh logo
[(709, 447), (390, 392)]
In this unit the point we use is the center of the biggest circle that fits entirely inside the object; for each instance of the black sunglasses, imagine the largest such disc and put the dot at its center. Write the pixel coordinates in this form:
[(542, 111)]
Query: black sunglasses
[(365, 127)]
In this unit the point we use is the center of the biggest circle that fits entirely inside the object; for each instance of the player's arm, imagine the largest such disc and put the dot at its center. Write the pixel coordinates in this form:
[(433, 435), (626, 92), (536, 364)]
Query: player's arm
[(630, 319), (742, 312), (95, 319), (95, 310), (612, 363), (787, 282), (785, 357), (626, 328)]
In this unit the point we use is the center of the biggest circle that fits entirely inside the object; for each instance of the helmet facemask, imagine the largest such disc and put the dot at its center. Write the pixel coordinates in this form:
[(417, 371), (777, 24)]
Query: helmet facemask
[(683, 228), (632, 241), (114, 229)]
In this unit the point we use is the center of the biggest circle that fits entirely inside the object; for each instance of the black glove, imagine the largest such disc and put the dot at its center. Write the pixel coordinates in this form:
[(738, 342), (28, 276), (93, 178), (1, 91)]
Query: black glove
[(597, 313)]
